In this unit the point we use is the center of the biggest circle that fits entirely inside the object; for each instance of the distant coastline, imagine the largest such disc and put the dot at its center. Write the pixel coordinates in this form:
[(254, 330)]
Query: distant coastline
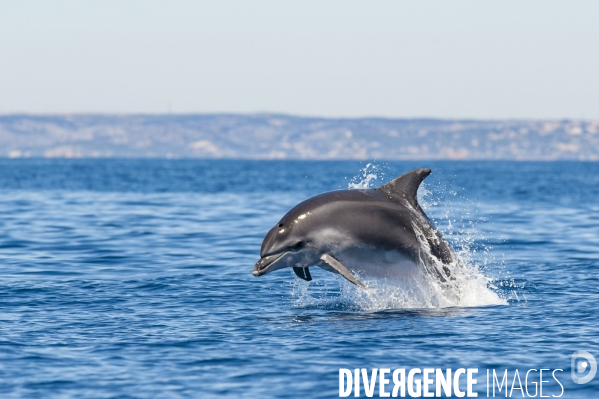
[(274, 136)]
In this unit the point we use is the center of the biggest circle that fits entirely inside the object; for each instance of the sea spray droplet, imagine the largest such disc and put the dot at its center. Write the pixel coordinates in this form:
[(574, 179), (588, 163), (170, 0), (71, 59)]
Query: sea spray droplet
[(369, 175)]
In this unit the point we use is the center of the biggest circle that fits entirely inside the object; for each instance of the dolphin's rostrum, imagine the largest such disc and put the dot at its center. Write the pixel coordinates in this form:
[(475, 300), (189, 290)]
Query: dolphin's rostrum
[(381, 232)]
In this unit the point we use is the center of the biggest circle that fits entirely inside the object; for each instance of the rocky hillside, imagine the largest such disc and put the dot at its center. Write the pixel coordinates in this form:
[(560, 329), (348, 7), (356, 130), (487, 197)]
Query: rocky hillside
[(288, 137)]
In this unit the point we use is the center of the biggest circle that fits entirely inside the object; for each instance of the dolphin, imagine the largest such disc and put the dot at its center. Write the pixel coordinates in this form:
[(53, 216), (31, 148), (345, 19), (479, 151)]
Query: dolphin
[(381, 232)]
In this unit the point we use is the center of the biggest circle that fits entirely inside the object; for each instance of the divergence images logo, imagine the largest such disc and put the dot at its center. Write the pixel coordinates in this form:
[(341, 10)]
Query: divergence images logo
[(581, 360)]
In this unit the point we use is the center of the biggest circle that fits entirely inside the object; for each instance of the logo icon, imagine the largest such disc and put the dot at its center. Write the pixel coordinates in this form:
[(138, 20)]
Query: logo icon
[(581, 360)]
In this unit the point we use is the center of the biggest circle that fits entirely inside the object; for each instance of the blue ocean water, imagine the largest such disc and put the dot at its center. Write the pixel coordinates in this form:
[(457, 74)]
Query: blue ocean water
[(132, 279)]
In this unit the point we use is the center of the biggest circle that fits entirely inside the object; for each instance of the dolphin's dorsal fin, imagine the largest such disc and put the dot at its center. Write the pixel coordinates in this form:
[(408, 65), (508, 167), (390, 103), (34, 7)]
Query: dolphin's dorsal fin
[(405, 187)]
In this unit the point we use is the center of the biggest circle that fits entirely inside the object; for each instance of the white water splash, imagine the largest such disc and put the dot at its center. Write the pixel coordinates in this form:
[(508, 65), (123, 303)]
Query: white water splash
[(469, 287), (370, 174)]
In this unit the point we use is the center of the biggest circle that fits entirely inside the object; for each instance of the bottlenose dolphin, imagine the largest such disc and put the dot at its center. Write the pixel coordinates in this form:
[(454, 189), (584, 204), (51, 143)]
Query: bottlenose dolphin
[(381, 232)]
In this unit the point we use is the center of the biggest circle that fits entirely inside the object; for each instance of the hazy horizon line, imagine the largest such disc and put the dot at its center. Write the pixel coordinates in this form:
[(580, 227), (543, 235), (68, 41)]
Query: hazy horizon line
[(288, 115)]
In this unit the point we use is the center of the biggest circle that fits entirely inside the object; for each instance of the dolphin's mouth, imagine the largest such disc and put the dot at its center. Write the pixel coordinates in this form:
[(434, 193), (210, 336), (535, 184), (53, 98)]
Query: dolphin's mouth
[(266, 262)]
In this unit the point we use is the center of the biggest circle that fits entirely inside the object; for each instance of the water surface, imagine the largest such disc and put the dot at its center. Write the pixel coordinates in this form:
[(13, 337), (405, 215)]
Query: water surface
[(132, 279)]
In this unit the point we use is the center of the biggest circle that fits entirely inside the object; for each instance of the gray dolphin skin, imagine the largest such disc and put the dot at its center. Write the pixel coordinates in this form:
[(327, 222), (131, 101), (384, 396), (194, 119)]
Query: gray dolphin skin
[(381, 232)]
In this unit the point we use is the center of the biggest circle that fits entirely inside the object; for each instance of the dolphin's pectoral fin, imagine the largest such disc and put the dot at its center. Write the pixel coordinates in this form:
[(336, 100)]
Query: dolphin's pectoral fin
[(344, 271), (303, 273)]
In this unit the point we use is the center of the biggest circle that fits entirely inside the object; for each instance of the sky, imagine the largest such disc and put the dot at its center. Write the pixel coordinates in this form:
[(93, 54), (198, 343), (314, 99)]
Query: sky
[(333, 58)]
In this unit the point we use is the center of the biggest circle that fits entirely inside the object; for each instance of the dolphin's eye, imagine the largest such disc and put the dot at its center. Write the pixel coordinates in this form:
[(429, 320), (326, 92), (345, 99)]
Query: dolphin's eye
[(280, 224), (299, 244)]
